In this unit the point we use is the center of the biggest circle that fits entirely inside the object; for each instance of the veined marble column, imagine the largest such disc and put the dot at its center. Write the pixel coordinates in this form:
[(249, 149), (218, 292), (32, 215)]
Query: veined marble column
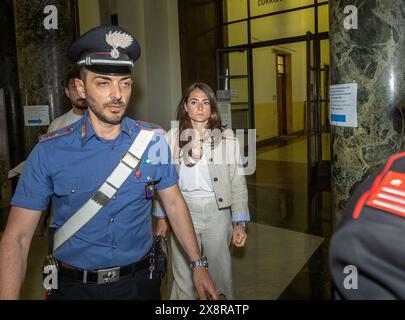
[(42, 57), (374, 57)]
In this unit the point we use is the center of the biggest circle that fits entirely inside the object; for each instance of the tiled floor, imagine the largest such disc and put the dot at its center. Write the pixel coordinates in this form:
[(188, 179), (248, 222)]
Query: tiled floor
[(286, 253), (262, 270), (293, 152), (271, 260), (278, 197)]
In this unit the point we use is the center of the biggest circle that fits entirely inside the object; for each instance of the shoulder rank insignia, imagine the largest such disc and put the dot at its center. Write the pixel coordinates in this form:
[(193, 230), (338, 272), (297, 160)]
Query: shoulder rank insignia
[(55, 134), (144, 125), (390, 194), (387, 193)]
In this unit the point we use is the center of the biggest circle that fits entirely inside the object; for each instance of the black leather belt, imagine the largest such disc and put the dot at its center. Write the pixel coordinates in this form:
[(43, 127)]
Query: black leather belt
[(102, 276)]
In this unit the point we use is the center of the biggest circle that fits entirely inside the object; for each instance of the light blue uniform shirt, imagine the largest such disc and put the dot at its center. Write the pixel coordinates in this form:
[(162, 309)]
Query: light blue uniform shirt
[(70, 166)]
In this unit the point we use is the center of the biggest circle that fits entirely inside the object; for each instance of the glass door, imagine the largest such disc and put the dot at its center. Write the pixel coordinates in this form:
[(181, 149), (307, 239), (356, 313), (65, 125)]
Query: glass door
[(234, 74), (318, 128), (314, 130)]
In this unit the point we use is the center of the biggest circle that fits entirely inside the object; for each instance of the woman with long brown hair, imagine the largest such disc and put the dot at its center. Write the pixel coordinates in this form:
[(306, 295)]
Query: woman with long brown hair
[(214, 187)]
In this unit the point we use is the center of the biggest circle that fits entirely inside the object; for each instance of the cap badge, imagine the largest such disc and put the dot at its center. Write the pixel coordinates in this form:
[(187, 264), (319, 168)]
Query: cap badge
[(118, 40)]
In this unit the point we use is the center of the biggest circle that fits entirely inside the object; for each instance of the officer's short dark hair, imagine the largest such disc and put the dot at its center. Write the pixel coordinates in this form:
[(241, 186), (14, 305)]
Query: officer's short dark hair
[(73, 73), (83, 73)]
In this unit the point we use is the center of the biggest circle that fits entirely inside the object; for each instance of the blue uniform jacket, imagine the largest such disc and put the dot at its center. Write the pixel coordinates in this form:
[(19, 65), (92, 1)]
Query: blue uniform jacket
[(69, 165)]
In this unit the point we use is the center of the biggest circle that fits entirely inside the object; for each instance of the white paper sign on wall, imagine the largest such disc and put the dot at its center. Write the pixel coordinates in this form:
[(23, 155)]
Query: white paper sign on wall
[(36, 116), (343, 105)]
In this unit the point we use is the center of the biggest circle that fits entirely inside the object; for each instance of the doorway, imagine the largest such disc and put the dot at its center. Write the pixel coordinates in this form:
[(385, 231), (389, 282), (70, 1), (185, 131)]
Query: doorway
[(284, 96), (281, 95)]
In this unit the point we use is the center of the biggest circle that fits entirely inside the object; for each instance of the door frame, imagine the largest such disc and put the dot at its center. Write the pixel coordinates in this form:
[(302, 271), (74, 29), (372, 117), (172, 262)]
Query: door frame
[(318, 169), (249, 48)]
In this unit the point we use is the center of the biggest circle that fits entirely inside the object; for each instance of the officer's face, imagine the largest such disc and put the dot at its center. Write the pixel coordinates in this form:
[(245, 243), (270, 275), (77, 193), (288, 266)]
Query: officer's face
[(74, 97), (198, 106), (106, 95)]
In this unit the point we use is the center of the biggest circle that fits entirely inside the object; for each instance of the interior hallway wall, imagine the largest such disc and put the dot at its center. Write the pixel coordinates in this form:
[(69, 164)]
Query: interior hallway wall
[(264, 59), (89, 14), (200, 36), (265, 88)]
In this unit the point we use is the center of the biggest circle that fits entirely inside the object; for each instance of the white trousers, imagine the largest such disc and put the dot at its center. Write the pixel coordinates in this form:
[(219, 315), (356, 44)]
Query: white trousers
[(213, 229)]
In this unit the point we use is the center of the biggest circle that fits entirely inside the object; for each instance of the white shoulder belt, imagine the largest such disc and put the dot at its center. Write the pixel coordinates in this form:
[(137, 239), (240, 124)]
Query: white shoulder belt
[(108, 189)]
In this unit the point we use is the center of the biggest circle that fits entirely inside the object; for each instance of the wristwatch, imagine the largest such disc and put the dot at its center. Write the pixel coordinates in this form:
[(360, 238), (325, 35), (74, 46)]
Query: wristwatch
[(240, 223), (202, 262)]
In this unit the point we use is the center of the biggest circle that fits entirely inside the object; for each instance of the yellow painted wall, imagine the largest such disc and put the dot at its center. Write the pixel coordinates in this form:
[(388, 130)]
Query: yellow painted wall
[(289, 24), (237, 33), (283, 25), (265, 93), (259, 7), (298, 115), (235, 10), (323, 18), (89, 14), (266, 124)]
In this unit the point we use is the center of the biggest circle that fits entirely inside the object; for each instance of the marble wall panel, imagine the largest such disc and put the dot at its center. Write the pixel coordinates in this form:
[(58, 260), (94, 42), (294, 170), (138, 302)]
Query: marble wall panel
[(373, 56), (42, 57)]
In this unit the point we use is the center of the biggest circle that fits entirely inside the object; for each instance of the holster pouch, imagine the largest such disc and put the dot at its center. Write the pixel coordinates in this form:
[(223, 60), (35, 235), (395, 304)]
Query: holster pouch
[(160, 253)]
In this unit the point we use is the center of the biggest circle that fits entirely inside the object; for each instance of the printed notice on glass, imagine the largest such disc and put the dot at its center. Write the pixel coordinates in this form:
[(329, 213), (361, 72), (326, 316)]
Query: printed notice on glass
[(343, 105), (36, 116)]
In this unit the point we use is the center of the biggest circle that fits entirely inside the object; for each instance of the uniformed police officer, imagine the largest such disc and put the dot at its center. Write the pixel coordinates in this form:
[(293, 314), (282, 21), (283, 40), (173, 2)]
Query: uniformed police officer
[(367, 251), (104, 233)]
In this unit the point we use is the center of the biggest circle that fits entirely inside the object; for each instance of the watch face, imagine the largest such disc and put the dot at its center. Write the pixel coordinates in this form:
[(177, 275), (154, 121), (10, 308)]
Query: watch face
[(203, 262), (241, 223)]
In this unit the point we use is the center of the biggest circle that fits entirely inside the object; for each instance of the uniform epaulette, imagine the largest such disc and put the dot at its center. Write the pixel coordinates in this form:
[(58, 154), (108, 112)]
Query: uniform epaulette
[(144, 125), (55, 134), (387, 193)]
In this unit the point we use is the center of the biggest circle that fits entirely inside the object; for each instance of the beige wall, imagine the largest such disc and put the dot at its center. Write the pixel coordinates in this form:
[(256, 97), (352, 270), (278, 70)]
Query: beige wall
[(156, 74), (89, 14), (163, 59)]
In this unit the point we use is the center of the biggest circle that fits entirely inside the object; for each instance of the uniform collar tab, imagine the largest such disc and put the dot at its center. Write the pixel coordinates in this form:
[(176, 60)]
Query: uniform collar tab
[(125, 127), (86, 129)]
